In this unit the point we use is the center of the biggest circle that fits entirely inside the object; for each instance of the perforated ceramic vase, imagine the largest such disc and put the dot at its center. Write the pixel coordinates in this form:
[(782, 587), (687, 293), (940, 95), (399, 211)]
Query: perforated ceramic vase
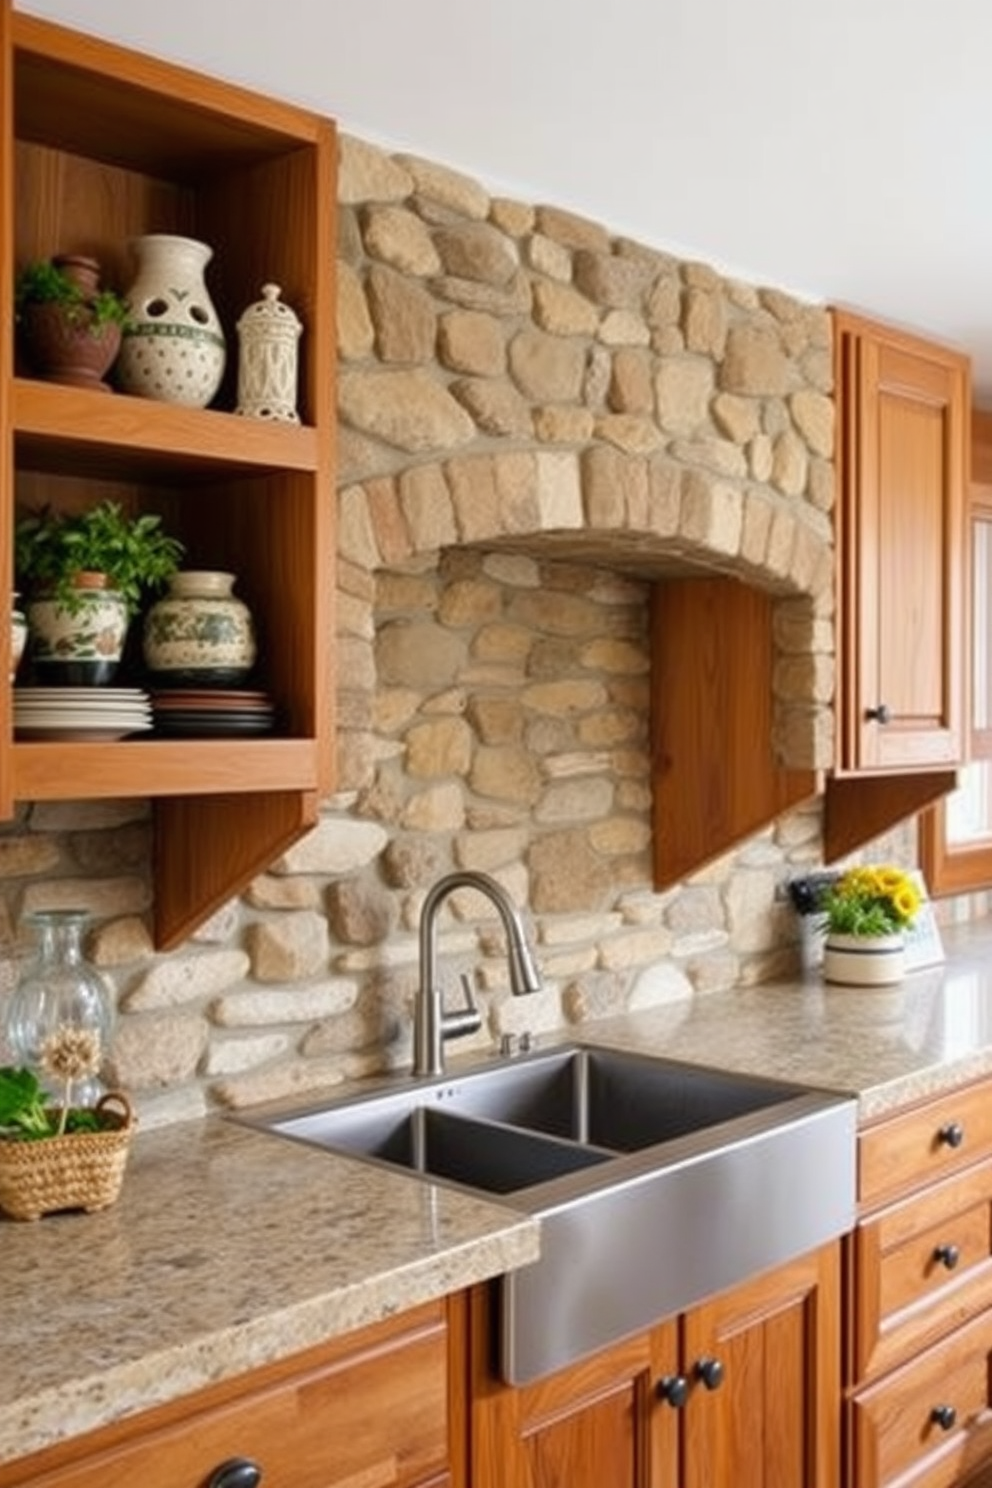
[(173, 348)]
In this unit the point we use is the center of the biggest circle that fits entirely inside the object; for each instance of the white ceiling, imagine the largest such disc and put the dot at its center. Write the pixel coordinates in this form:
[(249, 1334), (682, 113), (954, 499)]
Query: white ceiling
[(839, 149)]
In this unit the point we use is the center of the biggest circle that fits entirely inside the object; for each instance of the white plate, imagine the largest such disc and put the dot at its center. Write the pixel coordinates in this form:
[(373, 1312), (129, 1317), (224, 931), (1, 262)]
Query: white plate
[(104, 733)]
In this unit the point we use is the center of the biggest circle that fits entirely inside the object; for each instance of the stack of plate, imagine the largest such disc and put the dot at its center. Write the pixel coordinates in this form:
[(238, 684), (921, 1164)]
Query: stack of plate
[(211, 713), (80, 714)]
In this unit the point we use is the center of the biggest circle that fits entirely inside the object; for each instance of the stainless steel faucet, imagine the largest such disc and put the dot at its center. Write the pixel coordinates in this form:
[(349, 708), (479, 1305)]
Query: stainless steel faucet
[(431, 1024)]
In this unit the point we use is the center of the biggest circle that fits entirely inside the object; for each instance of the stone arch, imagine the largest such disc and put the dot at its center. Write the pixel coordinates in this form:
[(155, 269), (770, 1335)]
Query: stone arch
[(645, 516)]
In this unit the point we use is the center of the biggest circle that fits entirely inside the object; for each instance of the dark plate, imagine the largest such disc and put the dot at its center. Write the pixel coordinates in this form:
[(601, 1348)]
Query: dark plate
[(217, 728)]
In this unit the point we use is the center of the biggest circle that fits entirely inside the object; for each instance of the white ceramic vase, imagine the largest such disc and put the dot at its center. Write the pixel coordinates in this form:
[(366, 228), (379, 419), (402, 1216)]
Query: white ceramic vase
[(173, 350), (200, 634), (863, 961)]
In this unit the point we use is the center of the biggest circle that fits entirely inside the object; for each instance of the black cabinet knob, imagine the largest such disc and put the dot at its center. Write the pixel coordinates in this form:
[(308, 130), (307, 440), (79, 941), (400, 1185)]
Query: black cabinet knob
[(951, 1134), (236, 1472), (947, 1256), (944, 1416), (673, 1389), (880, 714), (710, 1371)]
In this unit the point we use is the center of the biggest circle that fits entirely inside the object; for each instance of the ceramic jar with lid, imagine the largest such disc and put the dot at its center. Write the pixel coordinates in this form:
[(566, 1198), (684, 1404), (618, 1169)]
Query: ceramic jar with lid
[(268, 333), (200, 634)]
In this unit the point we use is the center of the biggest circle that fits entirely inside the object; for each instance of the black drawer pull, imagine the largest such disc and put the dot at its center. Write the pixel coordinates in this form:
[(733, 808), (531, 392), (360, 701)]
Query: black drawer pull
[(881, 714), (947, 1256), (944, 1416), (236, 1472), (951, 1135), (674, 1389)]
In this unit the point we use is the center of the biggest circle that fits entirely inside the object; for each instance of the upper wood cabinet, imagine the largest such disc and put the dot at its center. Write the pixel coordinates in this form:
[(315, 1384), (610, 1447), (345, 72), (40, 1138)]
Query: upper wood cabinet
[(903, 429), (99, 144), (903, 408)]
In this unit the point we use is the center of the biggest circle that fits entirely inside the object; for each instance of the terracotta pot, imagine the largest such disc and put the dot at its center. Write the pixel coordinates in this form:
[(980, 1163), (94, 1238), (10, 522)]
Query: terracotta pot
[(863, 961), (67, 348)]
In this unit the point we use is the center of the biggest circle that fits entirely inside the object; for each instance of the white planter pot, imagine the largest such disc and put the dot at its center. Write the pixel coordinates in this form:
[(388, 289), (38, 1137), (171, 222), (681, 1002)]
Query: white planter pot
[(78, 646), (861, 961)]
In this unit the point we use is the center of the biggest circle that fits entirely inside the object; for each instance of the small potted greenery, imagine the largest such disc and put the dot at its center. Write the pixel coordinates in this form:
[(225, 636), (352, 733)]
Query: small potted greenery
[(69, 328), (87, 573), (866, 910), (56, 1157)]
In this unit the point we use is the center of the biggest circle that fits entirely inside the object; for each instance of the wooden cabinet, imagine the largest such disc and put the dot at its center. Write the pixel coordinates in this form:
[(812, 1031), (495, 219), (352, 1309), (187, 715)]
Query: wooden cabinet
[(903, 419), (370, 1410), (742, 1390), (919, 1366), (99, 144), (904, 423)]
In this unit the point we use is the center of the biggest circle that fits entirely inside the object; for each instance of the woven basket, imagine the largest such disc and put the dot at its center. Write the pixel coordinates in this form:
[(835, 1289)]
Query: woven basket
[(79, 1170)]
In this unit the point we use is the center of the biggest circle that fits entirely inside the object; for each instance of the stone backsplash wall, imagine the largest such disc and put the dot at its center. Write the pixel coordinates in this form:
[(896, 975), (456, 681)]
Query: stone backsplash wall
[(537, 421)]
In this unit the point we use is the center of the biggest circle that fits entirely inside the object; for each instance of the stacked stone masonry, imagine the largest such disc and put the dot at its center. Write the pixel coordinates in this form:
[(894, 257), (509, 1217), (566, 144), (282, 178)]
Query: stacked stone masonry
[(538, 420)]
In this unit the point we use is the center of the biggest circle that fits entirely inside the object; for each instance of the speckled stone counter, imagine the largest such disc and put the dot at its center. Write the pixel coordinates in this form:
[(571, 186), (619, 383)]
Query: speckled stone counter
[(230, 1247), (226, 1249), (889, 1047)]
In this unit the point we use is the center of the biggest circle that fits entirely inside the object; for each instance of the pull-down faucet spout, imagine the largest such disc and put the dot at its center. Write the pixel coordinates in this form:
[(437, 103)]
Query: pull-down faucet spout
[(432, 1025)]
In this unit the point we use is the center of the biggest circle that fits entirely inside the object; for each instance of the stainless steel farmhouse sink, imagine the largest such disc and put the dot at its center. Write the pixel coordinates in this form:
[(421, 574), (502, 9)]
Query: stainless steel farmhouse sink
[(656, 1183)]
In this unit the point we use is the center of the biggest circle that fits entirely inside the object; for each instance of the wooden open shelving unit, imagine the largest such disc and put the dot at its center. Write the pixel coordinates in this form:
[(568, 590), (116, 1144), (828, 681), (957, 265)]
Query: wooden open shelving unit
[(99, 144)]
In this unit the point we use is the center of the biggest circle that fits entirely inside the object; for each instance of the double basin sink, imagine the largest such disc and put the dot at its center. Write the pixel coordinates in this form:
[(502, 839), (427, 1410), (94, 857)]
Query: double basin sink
[(657, 1183)]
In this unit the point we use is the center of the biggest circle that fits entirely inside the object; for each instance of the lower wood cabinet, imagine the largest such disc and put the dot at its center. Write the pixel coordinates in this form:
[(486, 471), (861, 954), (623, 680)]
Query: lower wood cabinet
[(919, 1299), (371, 1410), (741, 1392)]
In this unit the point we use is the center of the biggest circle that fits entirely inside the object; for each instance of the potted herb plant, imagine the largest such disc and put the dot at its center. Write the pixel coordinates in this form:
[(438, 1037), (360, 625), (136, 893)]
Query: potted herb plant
[(56, 1157), (866, 910), (69, 328), (87, 574)]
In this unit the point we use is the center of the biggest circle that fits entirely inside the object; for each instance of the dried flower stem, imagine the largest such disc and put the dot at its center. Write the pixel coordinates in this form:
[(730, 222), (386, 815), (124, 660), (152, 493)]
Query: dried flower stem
[(70, 1054)]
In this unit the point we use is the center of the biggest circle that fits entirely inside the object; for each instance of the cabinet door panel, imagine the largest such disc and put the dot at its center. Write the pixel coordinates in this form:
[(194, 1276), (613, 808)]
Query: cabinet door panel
[(774, 1420), (595, 1424), (904, 407)]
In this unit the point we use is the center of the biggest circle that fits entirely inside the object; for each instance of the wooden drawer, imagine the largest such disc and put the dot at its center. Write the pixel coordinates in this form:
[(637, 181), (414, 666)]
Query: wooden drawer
[(368, 1412), (921, 1145), (921, 1267), (895, 1434)]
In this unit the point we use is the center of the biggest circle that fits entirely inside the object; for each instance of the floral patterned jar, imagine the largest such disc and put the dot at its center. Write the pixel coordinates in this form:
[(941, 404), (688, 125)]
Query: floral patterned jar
[(200, 634)]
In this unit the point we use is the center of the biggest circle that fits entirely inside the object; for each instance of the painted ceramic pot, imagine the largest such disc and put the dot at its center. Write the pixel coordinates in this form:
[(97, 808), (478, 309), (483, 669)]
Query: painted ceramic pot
[(78, 643), (200, 633), (863, 961), (173, 349)]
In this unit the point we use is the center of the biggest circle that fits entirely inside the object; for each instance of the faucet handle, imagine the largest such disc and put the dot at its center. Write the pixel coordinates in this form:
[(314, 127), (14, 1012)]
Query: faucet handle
[(467, 1019)]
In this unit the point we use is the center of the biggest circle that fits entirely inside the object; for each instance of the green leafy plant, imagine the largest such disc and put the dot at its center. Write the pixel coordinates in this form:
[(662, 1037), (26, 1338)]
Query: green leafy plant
[(27, 1116), (51, 547), (45, 283), (871, 901)]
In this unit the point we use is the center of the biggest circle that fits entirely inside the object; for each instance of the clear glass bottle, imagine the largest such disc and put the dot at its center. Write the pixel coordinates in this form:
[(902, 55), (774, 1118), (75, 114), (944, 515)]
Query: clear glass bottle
[(57, 988)]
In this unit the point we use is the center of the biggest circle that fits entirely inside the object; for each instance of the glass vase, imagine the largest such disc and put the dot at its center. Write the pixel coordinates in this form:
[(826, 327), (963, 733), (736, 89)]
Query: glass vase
[(58, 988)]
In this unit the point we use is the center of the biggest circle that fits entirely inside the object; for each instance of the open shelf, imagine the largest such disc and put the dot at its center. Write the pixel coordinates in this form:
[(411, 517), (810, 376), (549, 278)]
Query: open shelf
[(99, 144)]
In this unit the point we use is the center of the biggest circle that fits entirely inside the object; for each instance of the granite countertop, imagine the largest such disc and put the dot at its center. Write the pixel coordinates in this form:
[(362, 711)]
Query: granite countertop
[(222, 1253)]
